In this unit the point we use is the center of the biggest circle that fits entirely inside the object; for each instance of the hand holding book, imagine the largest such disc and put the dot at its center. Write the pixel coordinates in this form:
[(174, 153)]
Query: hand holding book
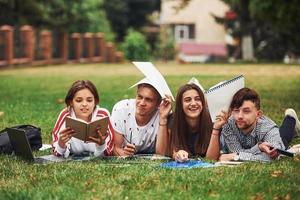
[(100, 138), (96, 130), (64, 136)]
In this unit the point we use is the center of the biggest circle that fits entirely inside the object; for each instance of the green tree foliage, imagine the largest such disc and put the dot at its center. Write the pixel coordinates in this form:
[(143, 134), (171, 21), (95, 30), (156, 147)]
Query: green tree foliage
[(272, 24), (61, 15), (282, 19), (165, 49), (124, 14), (135, 46), (18, 12)]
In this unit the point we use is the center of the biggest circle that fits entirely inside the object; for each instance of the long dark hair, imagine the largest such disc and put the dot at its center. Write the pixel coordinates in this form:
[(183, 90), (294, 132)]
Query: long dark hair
[(79, 85), (180, 127)]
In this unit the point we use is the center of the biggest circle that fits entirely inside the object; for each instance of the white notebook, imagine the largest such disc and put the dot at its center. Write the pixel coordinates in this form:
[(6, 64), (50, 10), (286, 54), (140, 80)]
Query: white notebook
[(219, 96)]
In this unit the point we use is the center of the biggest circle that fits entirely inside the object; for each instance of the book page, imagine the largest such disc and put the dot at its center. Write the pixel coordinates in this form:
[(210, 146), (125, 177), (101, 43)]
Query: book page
[(79, 126), (101, 124), (219, 97)]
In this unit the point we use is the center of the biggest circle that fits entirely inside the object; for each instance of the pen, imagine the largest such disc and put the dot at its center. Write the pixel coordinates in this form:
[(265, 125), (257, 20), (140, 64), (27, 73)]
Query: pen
[(130, 137), (126, 139)]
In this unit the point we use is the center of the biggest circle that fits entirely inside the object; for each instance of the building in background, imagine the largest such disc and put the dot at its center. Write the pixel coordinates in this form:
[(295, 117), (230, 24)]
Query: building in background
[(197, 35)]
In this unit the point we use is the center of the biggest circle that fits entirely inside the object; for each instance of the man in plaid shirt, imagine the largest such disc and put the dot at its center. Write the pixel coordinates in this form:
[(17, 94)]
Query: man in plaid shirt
[(251, 136)]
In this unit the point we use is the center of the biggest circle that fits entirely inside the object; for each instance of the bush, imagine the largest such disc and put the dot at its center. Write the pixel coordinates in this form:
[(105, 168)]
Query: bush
[(135, 46), (166, 50), (165, 47)]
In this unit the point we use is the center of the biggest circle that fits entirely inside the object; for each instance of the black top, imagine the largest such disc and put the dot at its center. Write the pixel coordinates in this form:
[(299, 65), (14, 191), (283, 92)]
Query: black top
[(191, 137), (191, 142)]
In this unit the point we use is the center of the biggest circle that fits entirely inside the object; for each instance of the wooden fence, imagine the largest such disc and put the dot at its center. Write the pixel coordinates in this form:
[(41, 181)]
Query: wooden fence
[(27, 46)]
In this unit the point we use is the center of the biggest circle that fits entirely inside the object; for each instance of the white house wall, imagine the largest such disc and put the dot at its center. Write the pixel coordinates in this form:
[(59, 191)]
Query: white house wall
[(197, 12)]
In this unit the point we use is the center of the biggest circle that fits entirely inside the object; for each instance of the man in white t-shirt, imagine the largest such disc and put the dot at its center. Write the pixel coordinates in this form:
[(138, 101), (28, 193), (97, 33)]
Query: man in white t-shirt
[(136, 122)]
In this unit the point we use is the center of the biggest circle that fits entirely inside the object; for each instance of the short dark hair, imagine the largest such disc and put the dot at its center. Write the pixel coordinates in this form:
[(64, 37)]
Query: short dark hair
[(79, 85), (245, 94), (146, 85)]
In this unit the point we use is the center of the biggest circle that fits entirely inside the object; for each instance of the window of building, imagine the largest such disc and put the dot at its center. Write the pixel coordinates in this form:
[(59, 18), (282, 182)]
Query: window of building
[(184, 32)]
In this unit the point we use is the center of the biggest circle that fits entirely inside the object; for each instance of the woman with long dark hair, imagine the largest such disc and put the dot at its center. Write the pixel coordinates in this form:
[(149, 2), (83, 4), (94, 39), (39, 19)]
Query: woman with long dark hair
[(191, 131)]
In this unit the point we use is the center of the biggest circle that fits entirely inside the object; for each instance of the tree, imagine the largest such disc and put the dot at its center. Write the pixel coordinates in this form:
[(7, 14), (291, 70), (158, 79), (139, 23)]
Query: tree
[(273, 25), (281, 19), (18, 12), (61, 15), (125, 14)]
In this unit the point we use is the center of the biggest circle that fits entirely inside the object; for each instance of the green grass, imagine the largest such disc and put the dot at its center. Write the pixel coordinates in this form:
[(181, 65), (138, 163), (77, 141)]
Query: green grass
[(30, 96)]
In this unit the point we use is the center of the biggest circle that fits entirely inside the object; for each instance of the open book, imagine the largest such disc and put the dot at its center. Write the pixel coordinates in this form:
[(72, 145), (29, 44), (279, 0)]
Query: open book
[(219, 96), (83, 130)]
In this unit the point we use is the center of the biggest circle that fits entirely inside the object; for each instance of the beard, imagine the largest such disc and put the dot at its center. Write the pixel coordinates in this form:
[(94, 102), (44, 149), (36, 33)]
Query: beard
[(245, 127)]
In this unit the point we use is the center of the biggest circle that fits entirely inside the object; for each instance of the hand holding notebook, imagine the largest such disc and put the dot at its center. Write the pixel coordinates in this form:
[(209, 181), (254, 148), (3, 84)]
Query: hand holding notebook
[(219, 96)]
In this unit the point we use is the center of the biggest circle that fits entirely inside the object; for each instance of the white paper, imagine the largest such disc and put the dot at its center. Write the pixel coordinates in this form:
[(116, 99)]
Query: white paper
[(154, 78), (195, 81), (219, 97), (45, 147)]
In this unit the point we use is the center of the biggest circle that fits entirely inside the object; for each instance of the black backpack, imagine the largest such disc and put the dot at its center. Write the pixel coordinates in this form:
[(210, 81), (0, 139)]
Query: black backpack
[(33, 135)]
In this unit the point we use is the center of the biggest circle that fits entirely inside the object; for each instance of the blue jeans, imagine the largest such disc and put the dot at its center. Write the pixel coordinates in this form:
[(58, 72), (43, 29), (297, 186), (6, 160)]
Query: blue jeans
[(287, 130)]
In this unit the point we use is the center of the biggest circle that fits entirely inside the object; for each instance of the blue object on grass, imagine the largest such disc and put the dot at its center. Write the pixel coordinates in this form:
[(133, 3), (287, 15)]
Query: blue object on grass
[(188, 164)]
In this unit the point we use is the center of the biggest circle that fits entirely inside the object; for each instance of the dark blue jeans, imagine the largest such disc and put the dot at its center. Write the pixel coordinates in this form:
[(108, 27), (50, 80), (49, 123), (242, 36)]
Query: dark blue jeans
[(287, 130)]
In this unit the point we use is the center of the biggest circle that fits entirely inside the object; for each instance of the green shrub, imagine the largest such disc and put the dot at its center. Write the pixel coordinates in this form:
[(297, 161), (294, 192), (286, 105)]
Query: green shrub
[(135, 46), (165, 48)]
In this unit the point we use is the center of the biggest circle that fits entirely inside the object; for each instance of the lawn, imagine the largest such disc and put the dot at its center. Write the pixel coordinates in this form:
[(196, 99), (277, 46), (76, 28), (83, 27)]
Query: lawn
[(33, 95)]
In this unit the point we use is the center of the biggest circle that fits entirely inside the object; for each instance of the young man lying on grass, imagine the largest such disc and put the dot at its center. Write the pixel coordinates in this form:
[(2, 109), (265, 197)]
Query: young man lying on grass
[(249, 135)]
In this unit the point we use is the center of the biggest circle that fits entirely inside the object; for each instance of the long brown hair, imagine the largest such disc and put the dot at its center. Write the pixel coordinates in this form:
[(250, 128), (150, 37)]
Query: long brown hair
[(180, 127), (79, 85)]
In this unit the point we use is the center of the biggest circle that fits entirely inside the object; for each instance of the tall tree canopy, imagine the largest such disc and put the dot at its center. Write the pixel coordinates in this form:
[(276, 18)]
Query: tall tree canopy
[(272, 24), (125, 14), (64, 15)]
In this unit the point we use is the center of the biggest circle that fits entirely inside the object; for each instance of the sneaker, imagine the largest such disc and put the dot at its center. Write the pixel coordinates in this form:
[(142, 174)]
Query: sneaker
[(295, 149), (292, 113)]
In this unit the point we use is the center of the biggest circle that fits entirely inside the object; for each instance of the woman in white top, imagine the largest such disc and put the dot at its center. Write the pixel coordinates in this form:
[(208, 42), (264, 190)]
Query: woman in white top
[(81, 100)]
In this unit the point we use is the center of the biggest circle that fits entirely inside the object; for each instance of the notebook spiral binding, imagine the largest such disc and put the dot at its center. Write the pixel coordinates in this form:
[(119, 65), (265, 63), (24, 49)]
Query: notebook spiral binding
[(224, 84)]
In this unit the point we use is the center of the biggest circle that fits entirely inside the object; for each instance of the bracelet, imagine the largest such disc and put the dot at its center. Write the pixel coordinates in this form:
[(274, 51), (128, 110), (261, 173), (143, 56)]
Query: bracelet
[(217, 129), (162, 124), (216, 134)]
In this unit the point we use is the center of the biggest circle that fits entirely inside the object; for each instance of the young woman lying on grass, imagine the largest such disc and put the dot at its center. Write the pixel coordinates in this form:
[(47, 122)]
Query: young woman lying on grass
[(191, 132), (81, 100)]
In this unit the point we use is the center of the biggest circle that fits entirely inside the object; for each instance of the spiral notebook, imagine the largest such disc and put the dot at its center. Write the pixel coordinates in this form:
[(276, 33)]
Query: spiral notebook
[(219, 96)]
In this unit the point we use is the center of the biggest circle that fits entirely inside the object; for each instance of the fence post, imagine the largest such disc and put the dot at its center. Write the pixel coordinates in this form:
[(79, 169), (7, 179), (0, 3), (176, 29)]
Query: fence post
[(27, 35), (110, 52), (88, 41), (100, 40), (46, 44), (119, 56), (63, 46), (76, 40), (8, 43)]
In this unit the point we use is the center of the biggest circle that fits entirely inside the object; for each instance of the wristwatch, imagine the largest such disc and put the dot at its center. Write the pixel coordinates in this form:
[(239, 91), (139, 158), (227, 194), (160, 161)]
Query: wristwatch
[(236, 157)]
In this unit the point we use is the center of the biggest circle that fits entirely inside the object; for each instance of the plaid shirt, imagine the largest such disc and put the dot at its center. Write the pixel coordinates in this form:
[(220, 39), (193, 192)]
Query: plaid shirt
[(247, 144)]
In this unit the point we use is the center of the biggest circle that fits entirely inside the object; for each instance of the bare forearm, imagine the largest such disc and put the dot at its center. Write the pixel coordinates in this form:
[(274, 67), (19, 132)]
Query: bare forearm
[(162, 140), (213, 150)]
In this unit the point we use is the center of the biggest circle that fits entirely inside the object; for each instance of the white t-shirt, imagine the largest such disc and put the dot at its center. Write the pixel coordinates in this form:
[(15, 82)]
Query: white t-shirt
[(123, 121)]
